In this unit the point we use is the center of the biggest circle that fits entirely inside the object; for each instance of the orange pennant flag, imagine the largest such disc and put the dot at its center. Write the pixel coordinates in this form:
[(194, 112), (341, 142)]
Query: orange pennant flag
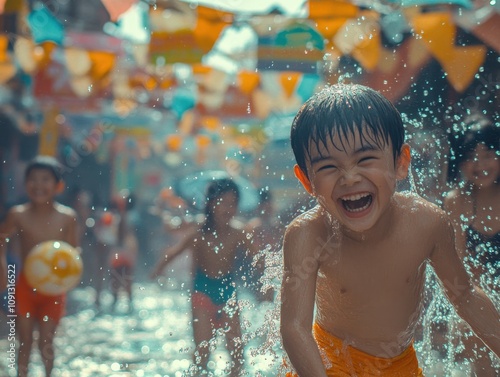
[(43, 55), (329, 16), (248, 81), (116, 8), (2, 6), (438, 33), (463, 66), (4, 41), (289, 82), (102, 64), (209, 25)]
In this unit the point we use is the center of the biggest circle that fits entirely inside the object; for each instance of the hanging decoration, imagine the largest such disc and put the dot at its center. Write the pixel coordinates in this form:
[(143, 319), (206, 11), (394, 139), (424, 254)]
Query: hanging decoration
[(298, 47), (116, 8), (45, 27), (438, 34), (7, 67)]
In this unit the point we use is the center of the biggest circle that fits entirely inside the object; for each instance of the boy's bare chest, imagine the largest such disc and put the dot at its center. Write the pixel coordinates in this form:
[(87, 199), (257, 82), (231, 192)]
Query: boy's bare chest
[(389, 266), (34, 229)]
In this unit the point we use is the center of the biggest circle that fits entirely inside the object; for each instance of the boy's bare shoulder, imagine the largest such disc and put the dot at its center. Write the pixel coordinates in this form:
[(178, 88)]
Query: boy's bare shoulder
[(65, 210), (19, 209), (311, 222), (420, 211)]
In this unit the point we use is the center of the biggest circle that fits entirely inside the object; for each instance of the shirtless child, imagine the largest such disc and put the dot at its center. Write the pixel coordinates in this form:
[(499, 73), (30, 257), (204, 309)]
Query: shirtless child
[(214, 245), (360, 255), (41, 219)]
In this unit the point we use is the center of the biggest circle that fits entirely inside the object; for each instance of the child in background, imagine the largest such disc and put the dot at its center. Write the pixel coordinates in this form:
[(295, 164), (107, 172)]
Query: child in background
[(475, 209), (39, 220), (124, 254), (214, 245), (361, 254)]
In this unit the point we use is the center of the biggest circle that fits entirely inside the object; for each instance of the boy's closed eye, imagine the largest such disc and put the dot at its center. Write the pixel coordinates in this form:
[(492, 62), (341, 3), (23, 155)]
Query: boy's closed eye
[(367, 159), (325, 167)]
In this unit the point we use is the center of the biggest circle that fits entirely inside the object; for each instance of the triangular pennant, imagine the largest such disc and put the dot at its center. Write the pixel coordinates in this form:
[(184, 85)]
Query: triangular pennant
[(289, 82), (463, 66), (45, 27), (116, 8), (437, 32), (329, 16), (248, 81), (209, 26), (398, 69), (102, 63)]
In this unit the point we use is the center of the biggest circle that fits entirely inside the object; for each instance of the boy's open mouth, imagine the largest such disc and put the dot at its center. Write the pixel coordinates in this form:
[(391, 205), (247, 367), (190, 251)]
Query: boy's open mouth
[(357, 202)]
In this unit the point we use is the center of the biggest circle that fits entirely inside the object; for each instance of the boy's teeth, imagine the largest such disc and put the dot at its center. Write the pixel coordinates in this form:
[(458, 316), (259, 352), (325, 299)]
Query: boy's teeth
[(354, 197), (357, 202)]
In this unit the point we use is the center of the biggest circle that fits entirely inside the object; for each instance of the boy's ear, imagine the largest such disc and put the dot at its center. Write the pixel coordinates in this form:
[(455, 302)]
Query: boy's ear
[(302, 177), (403, 162), (60, 187)]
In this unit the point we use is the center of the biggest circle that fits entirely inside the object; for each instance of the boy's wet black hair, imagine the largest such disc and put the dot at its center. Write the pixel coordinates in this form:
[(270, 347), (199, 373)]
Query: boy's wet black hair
[(44, 163), (215, 190), (477, 130), (341, 110)]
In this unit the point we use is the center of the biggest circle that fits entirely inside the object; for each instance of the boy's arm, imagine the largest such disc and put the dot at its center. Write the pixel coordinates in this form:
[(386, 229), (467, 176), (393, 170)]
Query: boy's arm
[(171, 253), (470, 302), (72, 231), (298, 292)]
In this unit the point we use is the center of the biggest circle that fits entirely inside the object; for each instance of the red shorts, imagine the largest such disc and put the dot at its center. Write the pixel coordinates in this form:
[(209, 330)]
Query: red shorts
[(121, 259), (215, 312), (36, 304)]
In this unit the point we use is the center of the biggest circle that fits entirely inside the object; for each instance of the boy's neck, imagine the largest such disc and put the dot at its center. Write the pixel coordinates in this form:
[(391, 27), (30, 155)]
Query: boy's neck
[(42, 207)]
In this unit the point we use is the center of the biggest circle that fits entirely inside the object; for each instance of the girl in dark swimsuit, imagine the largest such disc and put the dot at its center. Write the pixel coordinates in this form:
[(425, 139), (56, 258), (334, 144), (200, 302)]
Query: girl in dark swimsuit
[(475, 209)]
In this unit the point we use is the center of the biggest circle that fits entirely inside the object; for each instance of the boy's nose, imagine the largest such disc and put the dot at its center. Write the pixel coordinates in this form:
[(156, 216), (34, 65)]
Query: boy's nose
[(350, 177)]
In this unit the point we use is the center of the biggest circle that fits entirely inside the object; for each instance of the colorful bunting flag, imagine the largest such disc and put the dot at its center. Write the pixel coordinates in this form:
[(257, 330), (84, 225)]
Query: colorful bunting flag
[(298, 47), (438, 33), (116, 8), (45, 27), (248, 81)]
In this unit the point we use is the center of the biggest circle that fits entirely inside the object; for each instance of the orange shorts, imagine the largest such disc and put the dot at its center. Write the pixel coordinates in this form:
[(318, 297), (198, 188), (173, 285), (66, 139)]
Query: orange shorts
[(36, 304), (346, 361)]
